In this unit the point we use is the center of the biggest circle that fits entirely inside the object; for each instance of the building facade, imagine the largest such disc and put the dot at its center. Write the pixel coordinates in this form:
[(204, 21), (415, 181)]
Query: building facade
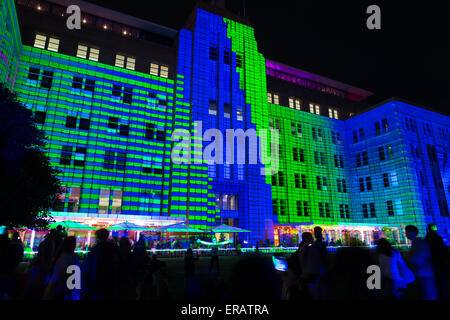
[(118, 96)]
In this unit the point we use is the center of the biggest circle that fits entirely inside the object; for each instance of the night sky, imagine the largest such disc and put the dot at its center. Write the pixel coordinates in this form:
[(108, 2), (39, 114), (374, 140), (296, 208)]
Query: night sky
[(408, 58)]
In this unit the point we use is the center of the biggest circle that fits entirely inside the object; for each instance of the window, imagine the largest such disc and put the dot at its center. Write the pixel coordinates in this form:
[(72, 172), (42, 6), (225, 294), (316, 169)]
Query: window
[(71, 122), (124, 130), (39, 117), (355, 136), (365, 158), (314, 108), (113, 122), (227, 170), (362, 185), (77, 82), (120, 161), (390, 208), (213, 107), (369, 183), (66, 155), (398, 207), (377, 129), (227, 110), (33, 73), (365, 211), (385, 126), (80, 156), (390, 152), (296, 129), (89, 85), (294, 103), (239, 114), (386, 180), (116, 207), (86, 52), (239, 60), (159, 70), (227, 57), (149, 131), (361, 134), (276, 99), (213, 53), (382, 154), (372, 210), (40, 41), (333, 113), (44, 42), (304, 185), (125, 61), (108, 161), (336, 138), (297, 180), (103, 203), (85, 124), (321, 183), (358, 160), (128, 95), (269, 97), (47, 79)]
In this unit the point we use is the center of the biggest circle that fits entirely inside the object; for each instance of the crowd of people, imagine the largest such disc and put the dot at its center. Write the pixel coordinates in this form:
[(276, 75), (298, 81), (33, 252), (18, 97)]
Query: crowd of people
[(122, 270), (309, 274)]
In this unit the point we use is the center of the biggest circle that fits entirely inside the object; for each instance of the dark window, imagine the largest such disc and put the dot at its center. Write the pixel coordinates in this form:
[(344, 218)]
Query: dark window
[(90, 85), (372, 210), (369, 183), (160, 135), (147, 170), (39, 117), (238, 60), (385, 125), (124, 130), (47, 79), (85, 124), (390, 208), (361, 185), (33, 74), (128, 95), (117, 90), (212, 107), (120, 161), (113, 122), (365, 158), (227, 57), (77, 82), (71, 122), (365, 211), (304, 185), (321, 209), (382, 154), (297, 180), (295, 154), (66, 155), (377, 129), (213, 53), (109, 160), (386, 180), (355, 136), (158, 171), (227, 110), (327, 210), (358, 160), (305, 208), (150, 131)]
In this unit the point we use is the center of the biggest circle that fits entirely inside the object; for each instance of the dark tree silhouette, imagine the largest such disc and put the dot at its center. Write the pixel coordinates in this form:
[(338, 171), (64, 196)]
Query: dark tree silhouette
[(28, 183)]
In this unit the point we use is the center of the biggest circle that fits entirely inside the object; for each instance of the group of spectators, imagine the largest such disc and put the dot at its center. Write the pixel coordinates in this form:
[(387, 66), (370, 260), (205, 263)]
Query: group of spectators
[(114, 269), (310, 276)]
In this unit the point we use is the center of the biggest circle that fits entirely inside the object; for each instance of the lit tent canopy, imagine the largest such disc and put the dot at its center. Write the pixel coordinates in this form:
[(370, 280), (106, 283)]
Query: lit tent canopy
[(179, 228), (71, 225), (227, 229), (129, 226)]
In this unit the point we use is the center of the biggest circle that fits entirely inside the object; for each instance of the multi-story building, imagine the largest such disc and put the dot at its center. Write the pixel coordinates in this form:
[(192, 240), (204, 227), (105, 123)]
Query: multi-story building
[(116, 97)]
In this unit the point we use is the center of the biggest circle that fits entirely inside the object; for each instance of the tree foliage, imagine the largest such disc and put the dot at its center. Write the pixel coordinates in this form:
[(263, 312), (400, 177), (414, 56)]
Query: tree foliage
[(28, 183)]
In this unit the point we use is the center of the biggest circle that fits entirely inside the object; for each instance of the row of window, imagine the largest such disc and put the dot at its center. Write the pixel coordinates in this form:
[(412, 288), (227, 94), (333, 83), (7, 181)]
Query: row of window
[(227, 110), (226, 202), (279, 207), (369, 211), (295, 103), (379, 128), (92, 53), (384, 152), (411, 125)]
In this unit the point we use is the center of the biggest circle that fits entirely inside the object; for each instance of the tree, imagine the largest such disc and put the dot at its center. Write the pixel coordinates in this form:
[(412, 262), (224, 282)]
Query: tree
[(28, 184)]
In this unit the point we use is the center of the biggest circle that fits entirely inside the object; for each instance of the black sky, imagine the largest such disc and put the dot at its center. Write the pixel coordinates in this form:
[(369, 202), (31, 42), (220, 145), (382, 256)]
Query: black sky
[(407, 58)]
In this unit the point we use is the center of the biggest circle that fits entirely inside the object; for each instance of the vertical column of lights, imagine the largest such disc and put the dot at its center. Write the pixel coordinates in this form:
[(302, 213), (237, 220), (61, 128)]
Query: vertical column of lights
[(190, 187), (99, 106), (10, 43), (252, 78)]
